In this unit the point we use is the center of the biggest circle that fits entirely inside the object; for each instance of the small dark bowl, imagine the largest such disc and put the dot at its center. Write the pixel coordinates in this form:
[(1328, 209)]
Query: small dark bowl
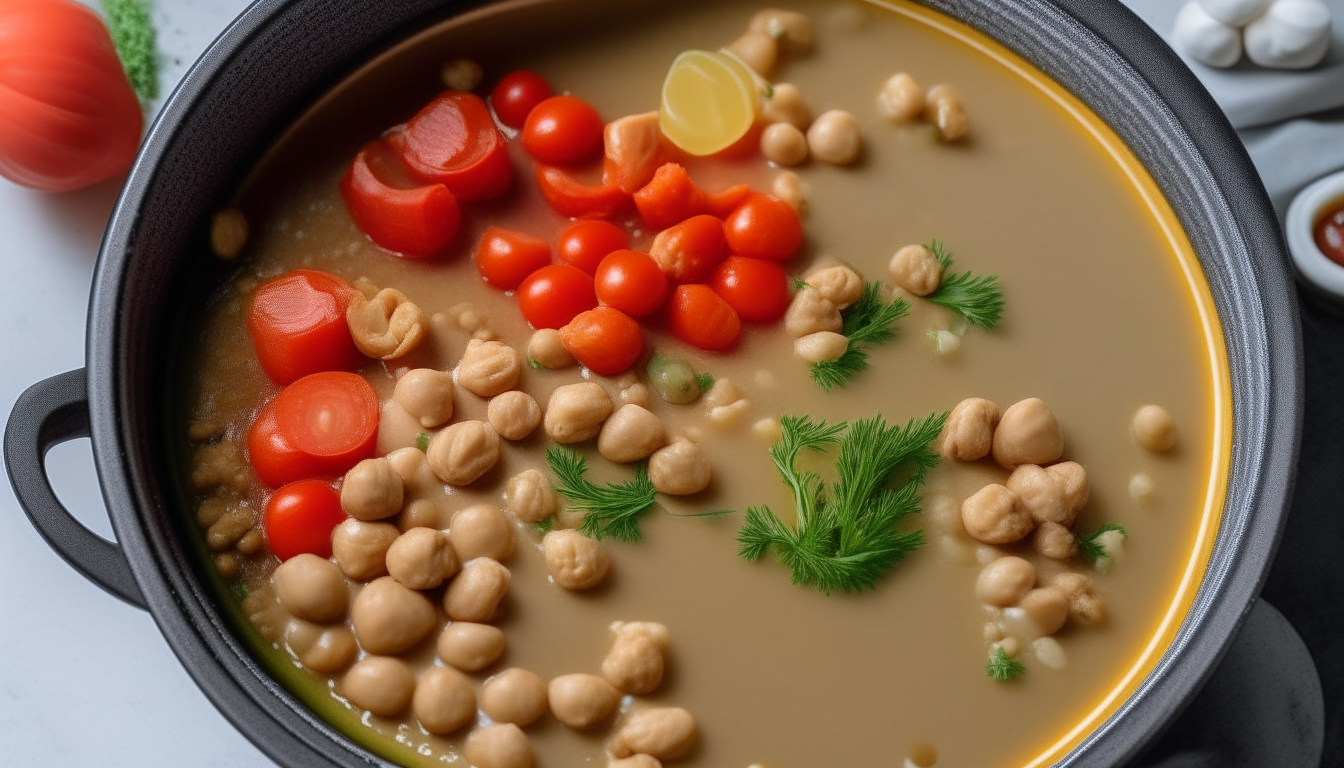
[(279, 56)]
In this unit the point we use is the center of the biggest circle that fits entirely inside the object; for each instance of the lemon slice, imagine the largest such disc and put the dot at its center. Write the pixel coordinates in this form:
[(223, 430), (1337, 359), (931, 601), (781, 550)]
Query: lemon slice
[(709, 101)]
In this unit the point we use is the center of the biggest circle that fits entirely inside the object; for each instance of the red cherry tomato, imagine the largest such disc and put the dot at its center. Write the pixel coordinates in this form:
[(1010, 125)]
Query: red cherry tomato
[(274, 460), (585, 243), (298, 325), (563, 130), (516, 94), (671, 197), (605, 339), (453, 141), (416, 222), (758, 290), (331, 416), (68, 116), (570, 197), (631, 282), (764, 227), (700, 317), (689, 251), (505, 258), (300, 517), (553, 295)]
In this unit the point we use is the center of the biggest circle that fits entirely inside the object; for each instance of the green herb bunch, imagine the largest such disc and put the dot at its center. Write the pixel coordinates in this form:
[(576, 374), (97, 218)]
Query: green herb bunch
[(870, 321)]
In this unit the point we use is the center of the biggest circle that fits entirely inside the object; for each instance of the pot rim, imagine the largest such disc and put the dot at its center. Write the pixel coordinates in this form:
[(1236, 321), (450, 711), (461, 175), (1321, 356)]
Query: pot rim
[(1181, 136)]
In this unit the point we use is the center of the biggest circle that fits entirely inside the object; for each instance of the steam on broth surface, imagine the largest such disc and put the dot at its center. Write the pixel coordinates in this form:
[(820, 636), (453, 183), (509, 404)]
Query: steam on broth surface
[(1105, 312)]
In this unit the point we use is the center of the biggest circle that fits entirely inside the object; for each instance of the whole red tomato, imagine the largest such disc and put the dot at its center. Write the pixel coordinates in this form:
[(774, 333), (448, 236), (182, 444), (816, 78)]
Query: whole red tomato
[(68, 116)]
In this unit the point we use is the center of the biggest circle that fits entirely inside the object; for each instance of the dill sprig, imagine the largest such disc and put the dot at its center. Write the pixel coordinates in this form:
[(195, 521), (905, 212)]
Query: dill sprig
[(545, 525), (613, 509), (975, 297), (868, 322), (1090, 549), (133, 37), (705, 380), (1002, 668), (845, 537)]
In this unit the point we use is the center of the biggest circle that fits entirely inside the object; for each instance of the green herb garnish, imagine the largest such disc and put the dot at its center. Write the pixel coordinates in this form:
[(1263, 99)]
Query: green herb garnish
[(241, 591), (545, 525), (1090, 549), (705, 380), (868, 322), (1002, 668), (422, 441), (799, 284), (613, 509), (133, 37), (533, 364), (975, 297), (845, 537)]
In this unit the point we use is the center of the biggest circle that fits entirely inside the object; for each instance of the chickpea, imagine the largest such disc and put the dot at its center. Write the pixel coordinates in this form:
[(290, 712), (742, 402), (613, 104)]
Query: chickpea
[(642, 761), (476, 592), (227, 530), (680, 469), (515, 696), (386, 326), (372, 490), (461, 74), (810, 312), (548, 351), (834, 138), (471, 647), (220, 464), (1050, 653), (1047, 608), (574, 561), (489, 368), (389, 618), (1154, 429), (635, 663), (582, 701), (785, 105), (821, 347), (210, 510), (228, 233), (1028, 433), (251, 542), (421, 513), (724, 392), (502, 745), (360, 548), (839, 285), (943, 108), (576, 411), (323, 649), (462, 452), (200, 430), (513, 414), (1113, 546), (1005, 581), (758, 51), (996, 515), (631, 434), (901, 99), (444, 700), (662, 732), (228, 565), (916, 269), (968, 432), (1054, 541), (768, 428), (427, 395), (422, 558), (482, 530), (380, 684), (311, 588), (784, 144), (789, 187), (1072, 481), (531, 497), (1085, 604), (1142, 487), (793, 30), (729, 416)]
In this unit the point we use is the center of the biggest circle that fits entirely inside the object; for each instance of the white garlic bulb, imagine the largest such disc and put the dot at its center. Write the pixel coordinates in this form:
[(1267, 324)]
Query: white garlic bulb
[(1204, 38), (1292, 34)]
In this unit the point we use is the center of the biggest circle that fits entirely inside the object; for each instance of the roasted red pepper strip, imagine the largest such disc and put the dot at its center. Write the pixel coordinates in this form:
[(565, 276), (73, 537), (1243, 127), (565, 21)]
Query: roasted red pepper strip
[(671, 198), (417, 223), (571, 197)]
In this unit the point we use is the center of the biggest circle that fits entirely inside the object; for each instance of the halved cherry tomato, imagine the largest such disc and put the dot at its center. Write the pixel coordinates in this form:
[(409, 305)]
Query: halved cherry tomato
[(571, 197), (689, 251), (758, 290), (505, 258), (631, 282), (417, 222), (554, 294), (635, 148), (605, 339), (274, 460), (331, 416), (584, 244), (563, 130), (671, 197), (300, 517), (298, 325), (516, 94), (764, 227), (453, 141), (700, 317)]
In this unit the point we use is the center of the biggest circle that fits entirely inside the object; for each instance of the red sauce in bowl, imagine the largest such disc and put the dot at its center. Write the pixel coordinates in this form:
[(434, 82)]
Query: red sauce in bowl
[(1329, 231)]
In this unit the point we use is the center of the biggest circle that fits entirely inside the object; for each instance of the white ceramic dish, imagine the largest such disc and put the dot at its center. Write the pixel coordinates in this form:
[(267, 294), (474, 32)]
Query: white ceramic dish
[(1314, 267)]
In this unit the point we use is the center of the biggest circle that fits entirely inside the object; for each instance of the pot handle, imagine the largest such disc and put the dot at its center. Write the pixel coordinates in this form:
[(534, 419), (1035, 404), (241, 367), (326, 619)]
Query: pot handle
[(47, 414)]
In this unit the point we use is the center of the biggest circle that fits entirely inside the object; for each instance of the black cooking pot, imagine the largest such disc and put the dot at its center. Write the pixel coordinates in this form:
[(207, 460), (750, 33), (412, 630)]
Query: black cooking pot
[(280, 55)]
